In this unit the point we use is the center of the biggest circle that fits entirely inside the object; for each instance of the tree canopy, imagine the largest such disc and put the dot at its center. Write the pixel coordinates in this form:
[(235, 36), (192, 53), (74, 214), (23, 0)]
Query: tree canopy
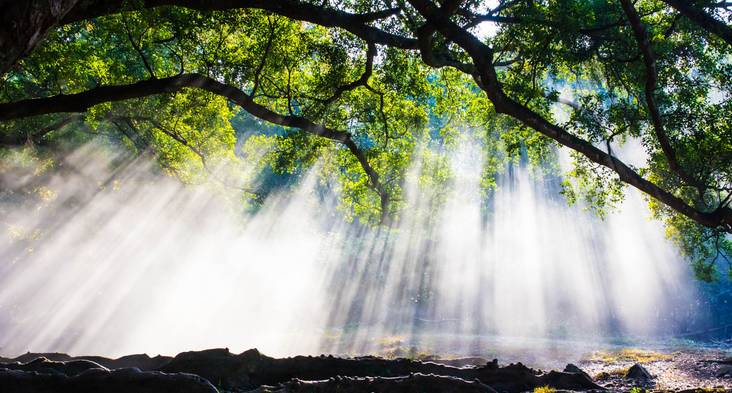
[(361, 85)]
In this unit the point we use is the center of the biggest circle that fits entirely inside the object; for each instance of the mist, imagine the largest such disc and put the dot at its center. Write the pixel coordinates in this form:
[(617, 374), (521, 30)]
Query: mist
[(121, 259)]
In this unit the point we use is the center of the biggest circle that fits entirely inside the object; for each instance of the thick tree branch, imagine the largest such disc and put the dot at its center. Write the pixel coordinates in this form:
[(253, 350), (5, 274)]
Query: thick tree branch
[(23, 25), (80, 102), (487, 79), (701, 18), (138, 48), (357, 24), (362, 81), (649, 60), (437, 57)]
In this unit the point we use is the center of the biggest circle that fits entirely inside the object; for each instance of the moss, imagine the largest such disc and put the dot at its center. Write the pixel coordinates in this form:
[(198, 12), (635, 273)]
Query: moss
[(544, 389), (629, 355), (614, 373)]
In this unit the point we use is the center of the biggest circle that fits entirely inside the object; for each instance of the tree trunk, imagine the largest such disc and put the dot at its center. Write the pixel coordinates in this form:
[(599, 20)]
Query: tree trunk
[(23, 24)]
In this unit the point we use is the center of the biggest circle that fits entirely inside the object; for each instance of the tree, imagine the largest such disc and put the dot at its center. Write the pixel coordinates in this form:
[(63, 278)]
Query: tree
[(374, 76)]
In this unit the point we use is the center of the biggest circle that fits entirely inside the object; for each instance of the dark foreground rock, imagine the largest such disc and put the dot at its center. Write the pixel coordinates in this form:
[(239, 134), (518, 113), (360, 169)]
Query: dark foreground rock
[(42, 365), (725, 372), (462, 362), (102, 380), (571, 368), (412, 383), (250, 370), (141, 361), (638, 373)]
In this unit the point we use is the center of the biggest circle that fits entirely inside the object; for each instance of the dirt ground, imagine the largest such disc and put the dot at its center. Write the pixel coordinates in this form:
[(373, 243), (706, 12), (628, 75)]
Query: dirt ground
[(677, 370)]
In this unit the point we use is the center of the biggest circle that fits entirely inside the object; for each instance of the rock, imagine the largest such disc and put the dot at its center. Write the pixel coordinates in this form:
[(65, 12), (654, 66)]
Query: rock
[(55, 356), (219, 366), (638, 372), (42, 365), (603, 376), (141, 361), (423, 383), (251, 370), (571, 368), (102, 380), (727, 361), (569, 380), (724, 372), (462, 362)]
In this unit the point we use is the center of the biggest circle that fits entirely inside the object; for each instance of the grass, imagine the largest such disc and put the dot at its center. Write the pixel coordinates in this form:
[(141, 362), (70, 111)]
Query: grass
[(629, 355), (392, 347), (544, 389), (407, 353), (618, 372)]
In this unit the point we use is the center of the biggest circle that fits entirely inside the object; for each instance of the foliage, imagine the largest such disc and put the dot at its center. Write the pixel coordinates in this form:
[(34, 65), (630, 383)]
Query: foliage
[(544, 389), (583, 74)]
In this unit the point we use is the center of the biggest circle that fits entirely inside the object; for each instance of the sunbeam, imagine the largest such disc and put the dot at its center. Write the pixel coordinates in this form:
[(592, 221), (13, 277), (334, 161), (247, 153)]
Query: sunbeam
[(127, 260)]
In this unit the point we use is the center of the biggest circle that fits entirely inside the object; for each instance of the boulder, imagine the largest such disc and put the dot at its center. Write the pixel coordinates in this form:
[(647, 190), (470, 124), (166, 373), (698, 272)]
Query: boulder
[(571, 368), (569, 381), (141, 361), (462, 362), (102, 380), (42, 365), (55, 356), (251, 369), (724, 372), (638, 373), (423, 383)]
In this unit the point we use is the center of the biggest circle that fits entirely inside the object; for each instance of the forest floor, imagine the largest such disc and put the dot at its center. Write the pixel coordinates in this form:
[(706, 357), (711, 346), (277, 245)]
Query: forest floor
[(675, 365), (677, 370)]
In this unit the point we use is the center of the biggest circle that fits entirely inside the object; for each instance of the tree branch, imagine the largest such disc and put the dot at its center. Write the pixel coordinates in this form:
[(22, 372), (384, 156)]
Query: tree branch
[(357, 24), (487, 78), (702, 19), (362, 81), (23, 25), (649, 60), (80, 102)]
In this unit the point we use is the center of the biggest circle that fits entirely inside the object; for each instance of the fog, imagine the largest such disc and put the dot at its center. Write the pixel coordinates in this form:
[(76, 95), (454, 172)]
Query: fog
[(129, 260)]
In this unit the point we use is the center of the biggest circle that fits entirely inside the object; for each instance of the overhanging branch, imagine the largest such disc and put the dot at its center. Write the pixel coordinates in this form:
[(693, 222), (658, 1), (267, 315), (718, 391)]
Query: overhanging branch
[(487, 78), (702, 19), (357, 24), (80, 102), (649, 61)]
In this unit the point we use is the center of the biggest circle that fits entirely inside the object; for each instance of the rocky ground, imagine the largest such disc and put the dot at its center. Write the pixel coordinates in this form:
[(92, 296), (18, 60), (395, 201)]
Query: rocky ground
[(691, 370), (677, 370)]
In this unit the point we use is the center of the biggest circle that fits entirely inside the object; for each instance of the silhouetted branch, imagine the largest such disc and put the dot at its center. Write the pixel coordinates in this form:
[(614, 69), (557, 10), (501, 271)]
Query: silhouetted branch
[(649, 60), (80, 102), (702, 19), (487, 78)]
